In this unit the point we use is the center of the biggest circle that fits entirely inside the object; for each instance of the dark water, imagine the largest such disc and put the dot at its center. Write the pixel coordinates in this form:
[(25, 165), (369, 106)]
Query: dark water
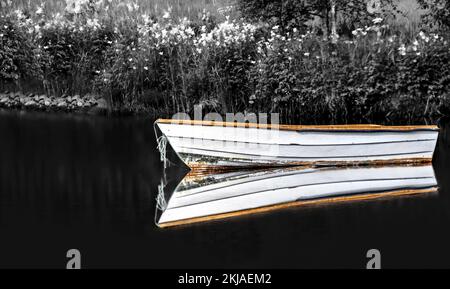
[(90, 183)]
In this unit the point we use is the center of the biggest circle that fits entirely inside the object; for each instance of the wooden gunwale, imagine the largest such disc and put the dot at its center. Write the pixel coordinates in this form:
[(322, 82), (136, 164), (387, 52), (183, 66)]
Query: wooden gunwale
[(346, 127)]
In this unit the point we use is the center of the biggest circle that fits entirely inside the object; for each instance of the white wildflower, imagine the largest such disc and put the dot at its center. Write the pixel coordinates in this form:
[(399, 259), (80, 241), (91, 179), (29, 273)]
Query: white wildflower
[(402, 50), (166, 15), (130, 7), (377, 20)]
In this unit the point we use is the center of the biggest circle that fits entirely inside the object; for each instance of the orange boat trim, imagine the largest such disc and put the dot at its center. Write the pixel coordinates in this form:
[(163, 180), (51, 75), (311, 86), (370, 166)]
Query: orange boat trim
[(358, 127)]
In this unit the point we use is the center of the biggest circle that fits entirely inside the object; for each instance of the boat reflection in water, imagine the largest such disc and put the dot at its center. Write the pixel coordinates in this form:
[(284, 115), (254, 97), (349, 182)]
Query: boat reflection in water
[(204, 197)]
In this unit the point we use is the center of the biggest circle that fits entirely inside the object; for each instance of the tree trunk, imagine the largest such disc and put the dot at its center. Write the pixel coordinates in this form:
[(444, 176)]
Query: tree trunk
[(325, 24), (334, 35)]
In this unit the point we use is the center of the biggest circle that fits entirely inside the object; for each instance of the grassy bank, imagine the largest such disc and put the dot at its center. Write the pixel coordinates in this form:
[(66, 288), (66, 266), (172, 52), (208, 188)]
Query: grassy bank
[(145, 58)]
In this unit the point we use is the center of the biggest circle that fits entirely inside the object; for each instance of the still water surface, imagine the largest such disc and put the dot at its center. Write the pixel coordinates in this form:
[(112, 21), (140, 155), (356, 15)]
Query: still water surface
[(71, 181)]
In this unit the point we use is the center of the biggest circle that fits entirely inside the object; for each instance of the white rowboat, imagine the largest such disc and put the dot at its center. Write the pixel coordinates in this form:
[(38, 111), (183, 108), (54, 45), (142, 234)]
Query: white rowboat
[(204, 144)]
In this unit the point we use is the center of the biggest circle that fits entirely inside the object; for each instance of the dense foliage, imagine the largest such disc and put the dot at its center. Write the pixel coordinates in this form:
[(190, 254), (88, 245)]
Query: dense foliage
[(438, 12), (168, 65), (288, 14), (17, 52), (284, 13), (368, 77)]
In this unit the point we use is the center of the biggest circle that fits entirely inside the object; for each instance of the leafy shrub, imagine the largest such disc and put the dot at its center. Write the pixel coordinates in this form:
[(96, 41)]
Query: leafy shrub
[(284, 13), (16, 51), (367, 78), (288, 14), (438, 12)]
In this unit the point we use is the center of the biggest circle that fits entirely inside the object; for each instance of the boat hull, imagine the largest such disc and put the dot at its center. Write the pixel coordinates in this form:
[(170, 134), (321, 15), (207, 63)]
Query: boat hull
[(203, 145)]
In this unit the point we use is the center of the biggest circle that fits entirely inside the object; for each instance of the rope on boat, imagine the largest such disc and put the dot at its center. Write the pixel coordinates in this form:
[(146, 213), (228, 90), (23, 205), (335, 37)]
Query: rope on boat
[(162, 146), (161, 203)]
